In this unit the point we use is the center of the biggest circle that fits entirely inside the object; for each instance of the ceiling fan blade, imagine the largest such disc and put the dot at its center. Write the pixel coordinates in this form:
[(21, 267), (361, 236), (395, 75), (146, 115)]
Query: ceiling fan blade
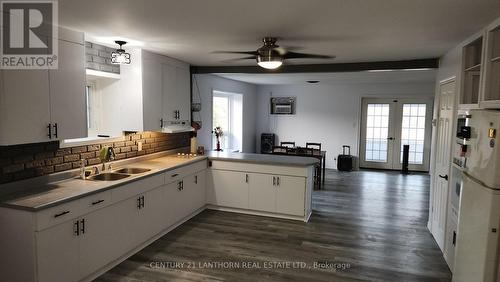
[(296, 55), (239, 59), (236, 52)]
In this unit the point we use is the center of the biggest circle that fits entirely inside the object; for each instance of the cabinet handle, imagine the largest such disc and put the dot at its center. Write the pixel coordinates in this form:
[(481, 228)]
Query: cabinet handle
[(143, 202), (182, 185), (274, 181), (161, 123), (175, 175), (196, 179), (82, 227), (175, 114), (139, 203), (55, 130), (76, 226), (445, 177), (61, 214), (49, 127), (454, 238), (278, 181), (97, 202), (246, 178)]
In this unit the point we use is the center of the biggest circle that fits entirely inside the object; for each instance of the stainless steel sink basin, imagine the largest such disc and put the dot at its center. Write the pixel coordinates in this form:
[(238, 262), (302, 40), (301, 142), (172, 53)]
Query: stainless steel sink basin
[(108, 176), (133, 170)]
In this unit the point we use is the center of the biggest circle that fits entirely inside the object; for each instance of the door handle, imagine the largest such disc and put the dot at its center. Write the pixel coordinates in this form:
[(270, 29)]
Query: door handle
[(49, 127), (55, 130), (445, 177)]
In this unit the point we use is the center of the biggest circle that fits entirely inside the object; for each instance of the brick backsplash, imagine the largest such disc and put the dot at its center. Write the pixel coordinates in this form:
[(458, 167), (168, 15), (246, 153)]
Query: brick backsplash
[(31, 160), (98, 57)]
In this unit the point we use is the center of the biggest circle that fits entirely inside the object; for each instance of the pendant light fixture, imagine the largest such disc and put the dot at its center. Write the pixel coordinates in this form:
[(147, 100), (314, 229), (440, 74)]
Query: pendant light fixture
[(120, 57)]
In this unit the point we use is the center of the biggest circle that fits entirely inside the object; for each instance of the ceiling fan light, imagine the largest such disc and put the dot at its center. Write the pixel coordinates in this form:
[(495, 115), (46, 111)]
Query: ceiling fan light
[(270, 63)]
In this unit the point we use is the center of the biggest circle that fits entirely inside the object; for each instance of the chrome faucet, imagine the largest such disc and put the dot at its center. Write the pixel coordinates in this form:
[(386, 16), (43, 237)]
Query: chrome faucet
[(107, 154)]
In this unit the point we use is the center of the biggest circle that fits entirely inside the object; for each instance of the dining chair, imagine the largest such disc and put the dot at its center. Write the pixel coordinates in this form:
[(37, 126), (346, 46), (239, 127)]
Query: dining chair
[(287, 144), (316, 146)]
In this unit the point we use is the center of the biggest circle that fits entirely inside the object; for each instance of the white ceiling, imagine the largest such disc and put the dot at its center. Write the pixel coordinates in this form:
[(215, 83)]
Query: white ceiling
[(354, 30), (400, 76)]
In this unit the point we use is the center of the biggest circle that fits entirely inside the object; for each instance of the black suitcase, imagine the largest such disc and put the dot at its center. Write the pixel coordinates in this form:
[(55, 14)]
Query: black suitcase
[(344, 161)]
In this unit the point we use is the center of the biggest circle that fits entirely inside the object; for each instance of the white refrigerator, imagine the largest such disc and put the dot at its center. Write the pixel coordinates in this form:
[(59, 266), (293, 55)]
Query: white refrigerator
[(477, 253)]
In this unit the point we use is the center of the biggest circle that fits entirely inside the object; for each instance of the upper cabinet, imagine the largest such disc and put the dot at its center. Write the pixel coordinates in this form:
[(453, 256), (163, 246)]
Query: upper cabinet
[(471, 73), (491, 93), (166, 90), (45, 105)]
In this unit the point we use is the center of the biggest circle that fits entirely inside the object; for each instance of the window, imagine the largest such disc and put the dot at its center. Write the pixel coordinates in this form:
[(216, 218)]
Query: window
[(93, 110), (228, 114)]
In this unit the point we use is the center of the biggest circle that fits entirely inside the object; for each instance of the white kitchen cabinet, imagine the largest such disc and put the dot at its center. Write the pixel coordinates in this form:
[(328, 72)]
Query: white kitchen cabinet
[(68, 112), (152, 92), (97, 235), (262, 192), (172, 203), (290, 195), (33, 100), (150, 219), (183, 93), (491, 93), (277, 193), (195, 194), (58, 251), (166, 91), (228, 189), (24, 107)]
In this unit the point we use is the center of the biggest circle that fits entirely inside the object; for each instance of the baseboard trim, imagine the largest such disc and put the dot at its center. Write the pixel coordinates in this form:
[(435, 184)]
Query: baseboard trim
[(259, 213)]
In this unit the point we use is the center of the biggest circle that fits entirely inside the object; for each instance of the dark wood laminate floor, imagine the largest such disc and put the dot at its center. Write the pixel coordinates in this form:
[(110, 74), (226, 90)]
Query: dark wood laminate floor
[(372, 222)]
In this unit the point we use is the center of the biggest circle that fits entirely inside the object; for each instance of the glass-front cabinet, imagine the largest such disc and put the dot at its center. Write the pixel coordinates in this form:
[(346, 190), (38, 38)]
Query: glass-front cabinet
[(472, 56), (491, 91)]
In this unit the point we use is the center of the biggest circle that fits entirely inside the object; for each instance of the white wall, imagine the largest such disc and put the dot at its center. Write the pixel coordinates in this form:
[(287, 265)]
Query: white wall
[(326, 113), (203, 86)]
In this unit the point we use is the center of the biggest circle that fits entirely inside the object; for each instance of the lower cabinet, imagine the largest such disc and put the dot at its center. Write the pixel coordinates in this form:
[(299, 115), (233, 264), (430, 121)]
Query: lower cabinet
[(228, 189), (185, 196), (258, 191), (58, 253)]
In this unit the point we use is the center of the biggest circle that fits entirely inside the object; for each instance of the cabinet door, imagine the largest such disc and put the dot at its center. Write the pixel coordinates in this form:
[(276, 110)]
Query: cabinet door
[(229, 189), (262, 192), (67, 92), (194, 188), (152, 213), (169, 89), (24, 107), (183, 93), (152, 93), (290, 195), (173, 203), (100, 239), (57, 253)]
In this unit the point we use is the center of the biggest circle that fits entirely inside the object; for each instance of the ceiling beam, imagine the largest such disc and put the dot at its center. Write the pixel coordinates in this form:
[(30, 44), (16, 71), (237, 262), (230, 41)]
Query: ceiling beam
[(341, 67)]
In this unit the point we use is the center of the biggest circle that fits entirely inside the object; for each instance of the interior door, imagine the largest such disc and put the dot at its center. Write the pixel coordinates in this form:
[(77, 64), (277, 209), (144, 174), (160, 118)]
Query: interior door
[(377, 134), (439, 193), (388, 125)]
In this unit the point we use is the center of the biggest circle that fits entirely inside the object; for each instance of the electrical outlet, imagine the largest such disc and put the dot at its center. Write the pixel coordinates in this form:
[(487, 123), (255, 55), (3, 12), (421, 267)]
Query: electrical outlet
[(139, 146)]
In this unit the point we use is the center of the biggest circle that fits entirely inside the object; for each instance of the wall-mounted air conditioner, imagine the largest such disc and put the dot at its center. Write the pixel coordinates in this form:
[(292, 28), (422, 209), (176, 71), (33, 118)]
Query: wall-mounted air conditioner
[(283, 105)]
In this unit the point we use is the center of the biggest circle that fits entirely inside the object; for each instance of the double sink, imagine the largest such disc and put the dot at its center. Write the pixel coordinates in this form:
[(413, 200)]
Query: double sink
[(118, 174)]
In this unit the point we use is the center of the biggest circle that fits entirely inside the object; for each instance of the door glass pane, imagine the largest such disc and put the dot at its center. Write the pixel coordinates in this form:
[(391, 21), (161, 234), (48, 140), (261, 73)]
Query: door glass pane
[(377, 131), (413, 132)]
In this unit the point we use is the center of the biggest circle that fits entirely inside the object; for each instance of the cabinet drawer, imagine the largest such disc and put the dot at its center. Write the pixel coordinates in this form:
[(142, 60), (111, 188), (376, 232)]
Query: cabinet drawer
[(97, 201), (58, 214), (137, 187), (181, 172)]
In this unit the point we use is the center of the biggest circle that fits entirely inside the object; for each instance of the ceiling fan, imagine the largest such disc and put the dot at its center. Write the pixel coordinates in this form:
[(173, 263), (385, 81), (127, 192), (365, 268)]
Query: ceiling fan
[(271, 56)]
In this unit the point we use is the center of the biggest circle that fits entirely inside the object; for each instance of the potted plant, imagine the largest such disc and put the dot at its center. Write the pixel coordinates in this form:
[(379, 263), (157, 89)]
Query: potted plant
[(218, 133)]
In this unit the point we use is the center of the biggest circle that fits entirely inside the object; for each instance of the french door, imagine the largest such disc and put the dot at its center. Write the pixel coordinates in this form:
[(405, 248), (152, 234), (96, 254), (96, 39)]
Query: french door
[(387, 124)]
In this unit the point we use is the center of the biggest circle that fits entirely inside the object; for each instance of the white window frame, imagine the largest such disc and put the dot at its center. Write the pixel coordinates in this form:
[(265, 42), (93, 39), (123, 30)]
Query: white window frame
[(231, 99)]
